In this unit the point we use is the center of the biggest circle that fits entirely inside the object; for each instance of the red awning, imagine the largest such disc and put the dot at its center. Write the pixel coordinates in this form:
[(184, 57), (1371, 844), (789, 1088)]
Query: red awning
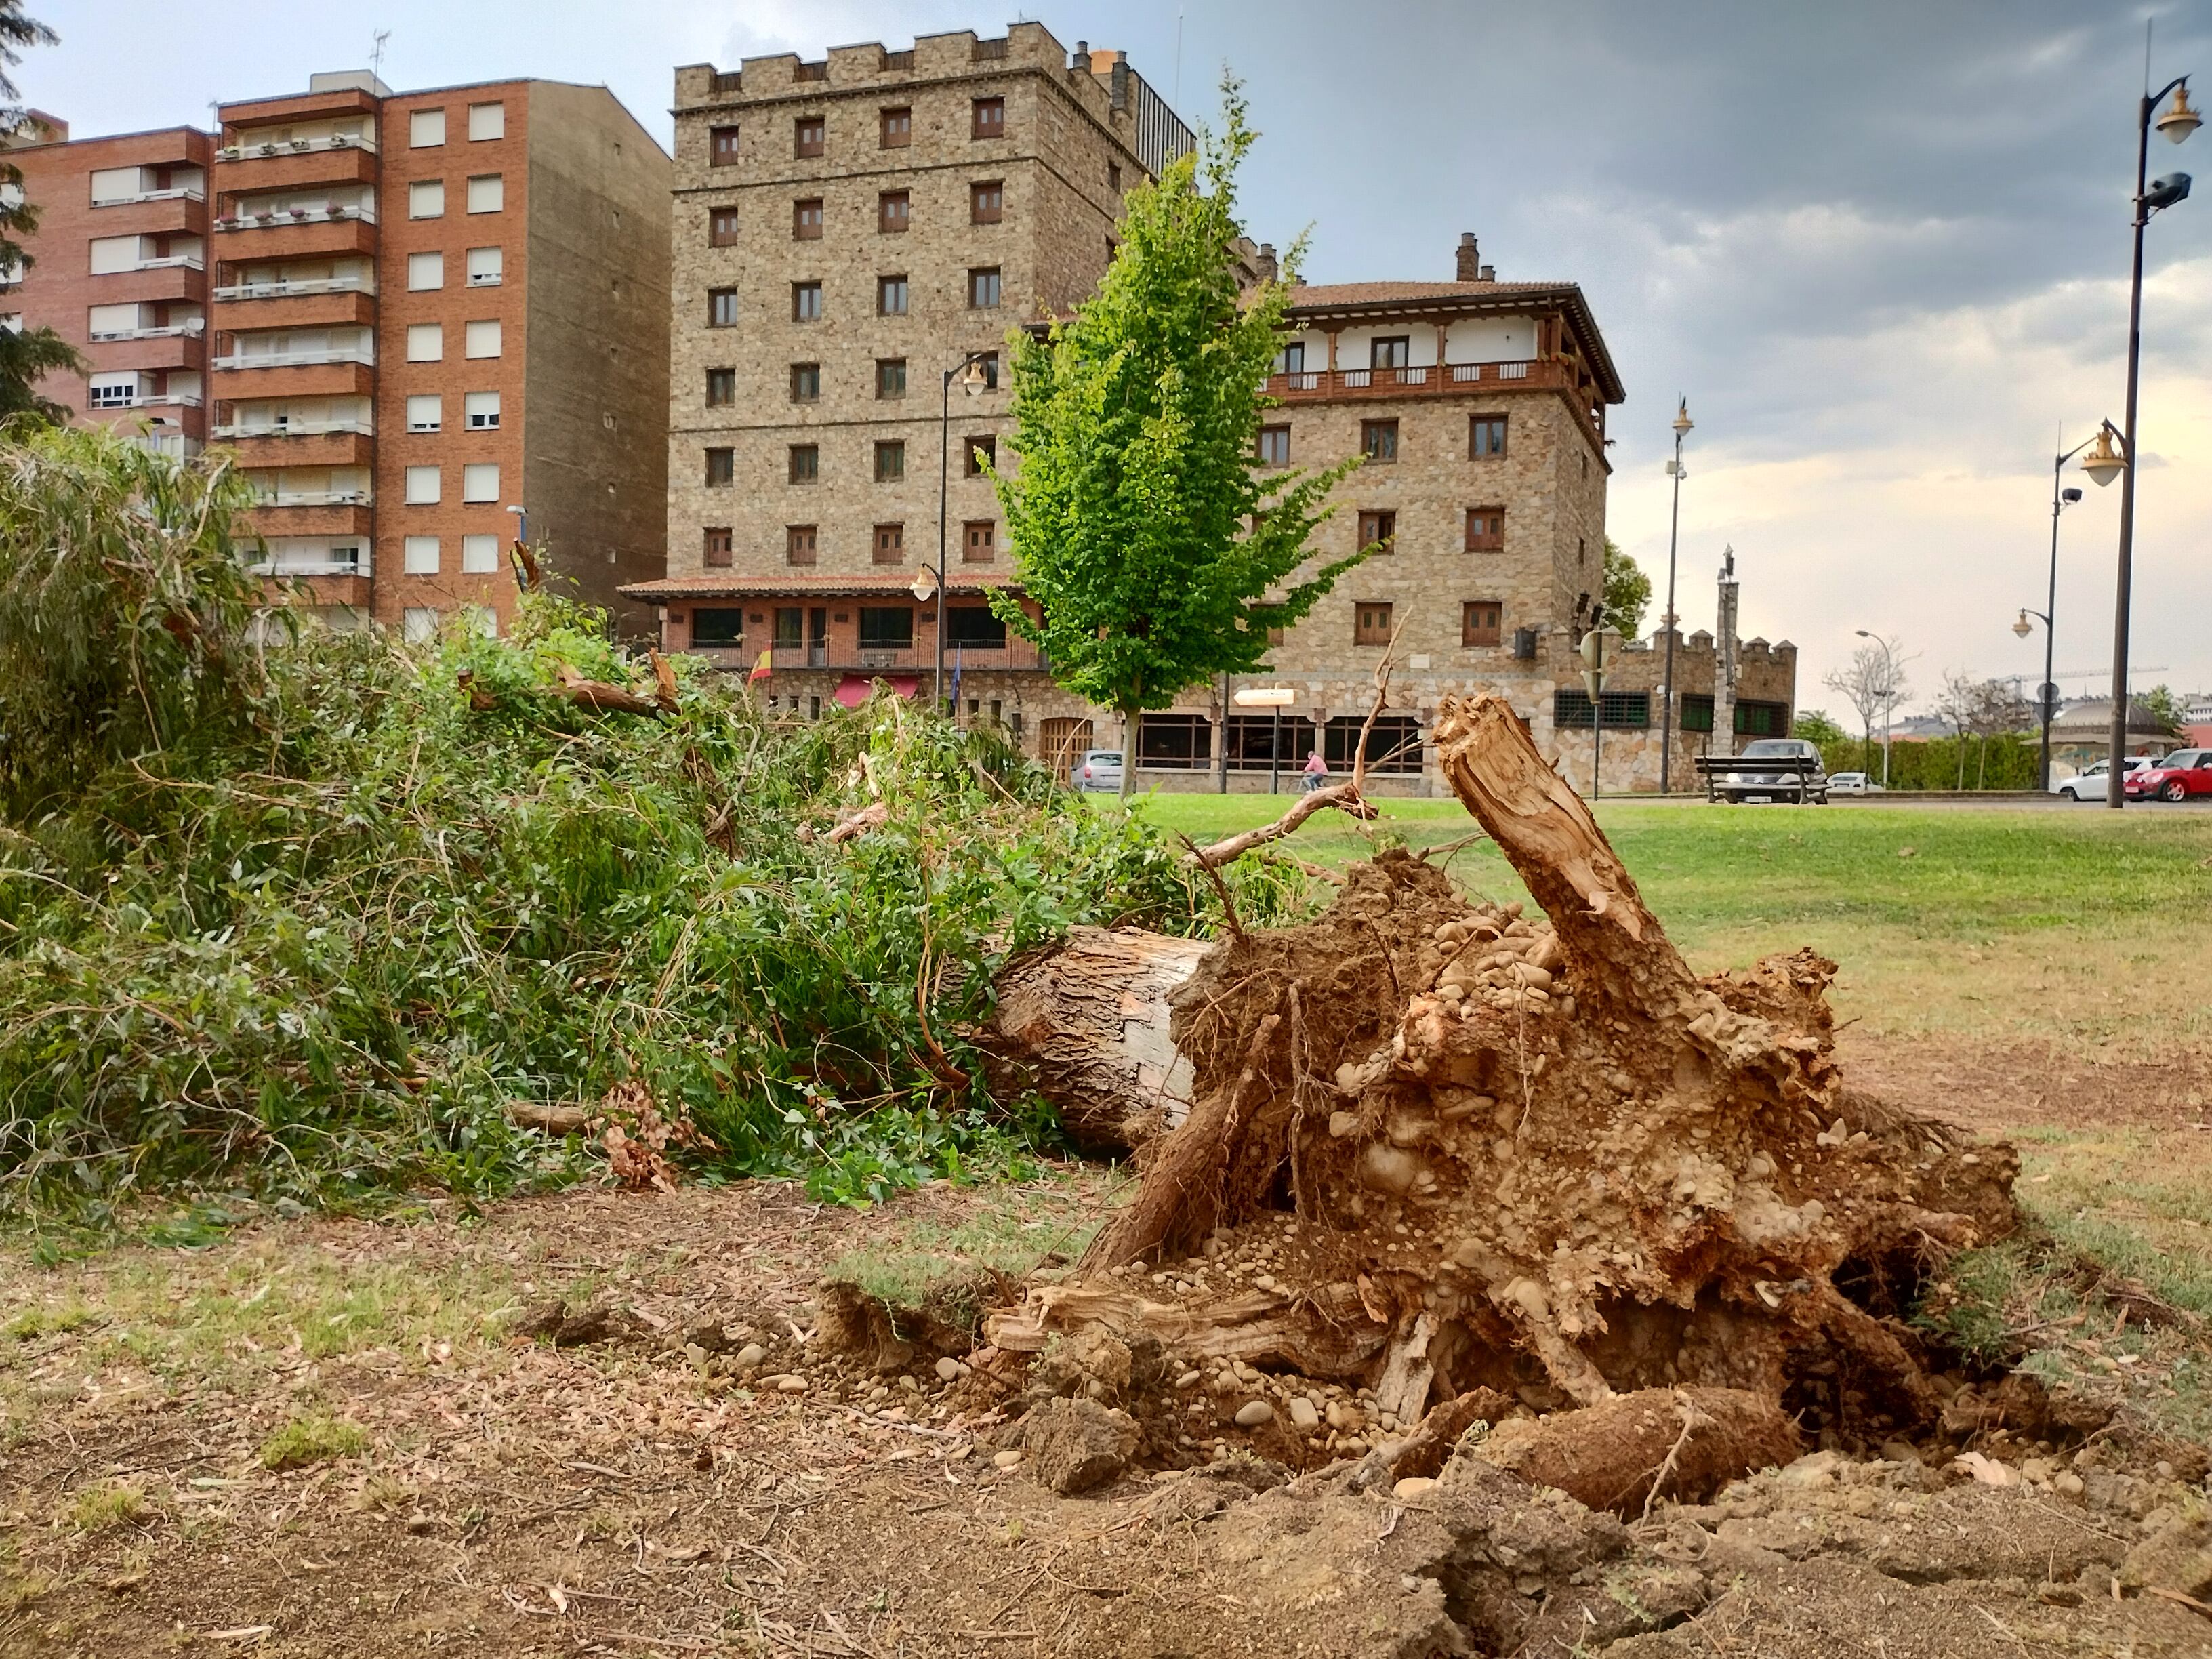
[(855, 688)]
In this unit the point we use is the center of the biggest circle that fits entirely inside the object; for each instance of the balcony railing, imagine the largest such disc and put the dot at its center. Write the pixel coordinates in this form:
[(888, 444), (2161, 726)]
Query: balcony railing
[(186, 193), (151, 400), (312, 498), (295, 359), (235, 429), (284, 287), (344, 563), (240, 152), (166, 331), (274, 218), (1426, 377), (172, 262)]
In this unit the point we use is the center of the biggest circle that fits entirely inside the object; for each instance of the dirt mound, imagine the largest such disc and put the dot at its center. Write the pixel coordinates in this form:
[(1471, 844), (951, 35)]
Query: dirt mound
[(1435, 1148)]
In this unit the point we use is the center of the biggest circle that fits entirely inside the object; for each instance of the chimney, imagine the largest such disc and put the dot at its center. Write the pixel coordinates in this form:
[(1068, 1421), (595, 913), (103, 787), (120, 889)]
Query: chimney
[(1470, 260), (1081, 60), (1489, 273), (1265, 266), (1118, 94)]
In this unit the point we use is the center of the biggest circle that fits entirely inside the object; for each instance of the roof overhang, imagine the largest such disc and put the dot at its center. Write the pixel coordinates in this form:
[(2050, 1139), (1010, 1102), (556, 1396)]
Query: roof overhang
[(1513, 299)]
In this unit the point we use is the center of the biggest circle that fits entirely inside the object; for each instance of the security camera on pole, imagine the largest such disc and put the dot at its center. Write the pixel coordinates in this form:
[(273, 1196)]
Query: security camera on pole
[(1592, 652)]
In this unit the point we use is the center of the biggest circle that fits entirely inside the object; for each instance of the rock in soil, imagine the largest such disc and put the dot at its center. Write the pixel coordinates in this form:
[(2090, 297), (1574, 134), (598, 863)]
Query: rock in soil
[(1686, 1443), (1078, 1446)]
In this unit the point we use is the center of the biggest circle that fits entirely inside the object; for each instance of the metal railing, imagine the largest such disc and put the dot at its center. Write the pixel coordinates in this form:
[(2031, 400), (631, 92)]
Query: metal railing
[(240, 152), (275, 218), (312, 498), (183, 193), (295, 359), (285, 287), (196, 325), (169, 262), (291, 429), (331, 564)]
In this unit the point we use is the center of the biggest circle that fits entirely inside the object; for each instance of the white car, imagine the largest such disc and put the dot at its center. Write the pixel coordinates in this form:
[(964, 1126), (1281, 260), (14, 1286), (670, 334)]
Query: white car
[(1852, 783), (1099, 771), (2090, 784)]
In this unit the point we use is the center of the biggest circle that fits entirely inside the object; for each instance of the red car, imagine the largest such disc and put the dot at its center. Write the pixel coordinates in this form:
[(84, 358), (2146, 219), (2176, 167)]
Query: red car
[(2184, 772)]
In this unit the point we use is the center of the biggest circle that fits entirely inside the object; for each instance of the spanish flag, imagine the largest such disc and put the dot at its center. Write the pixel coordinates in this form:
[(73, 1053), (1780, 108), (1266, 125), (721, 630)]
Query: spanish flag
[(760, 669)]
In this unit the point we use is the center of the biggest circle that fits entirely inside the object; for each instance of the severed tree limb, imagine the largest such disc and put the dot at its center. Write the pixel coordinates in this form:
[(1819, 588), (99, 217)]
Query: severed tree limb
[(601, 695)]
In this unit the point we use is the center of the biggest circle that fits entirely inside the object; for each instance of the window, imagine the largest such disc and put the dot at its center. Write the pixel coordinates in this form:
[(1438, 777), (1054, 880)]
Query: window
[(891, 296), (1390, 351), (426, 129), (1486, 530), (986, 203), (1370, 624), (487, 267), (479, 555), (1114, 177), (886, 628), (806, 302), (1486, 436), (897, 128), (721, 307), (893, 211), (1175, 742), (798, 544), (481, 339), (418, 623), (983, 288), (981, 453), (1762, 720), (480, 411), (426, 199), (988, 119), (426, 342), (1252, 742), (487, 121), (1393, 743), (480, 482), (806, 382), (487, 193), (721, 226), (721, 466), (421, 487), (721, 387), (1379, 439), (890, 461), (805, 463), (1291, 359), (722, 147), (425, 412), (1617, 711), (718, 625), (1379, 527), (809, 135), (806, 220), (1697, 712), (715, 552), (419, 556), (1479, 621), (974, 626), (790, 627), (990, 361), (978, 542), (890, 377), (425, 271), (890, 543)]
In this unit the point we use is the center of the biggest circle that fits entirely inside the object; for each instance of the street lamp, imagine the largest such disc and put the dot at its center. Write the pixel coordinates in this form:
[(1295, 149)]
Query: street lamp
[(1888, 696), (2176, 122), (973, 378), (2060, 499), (1682, 425)]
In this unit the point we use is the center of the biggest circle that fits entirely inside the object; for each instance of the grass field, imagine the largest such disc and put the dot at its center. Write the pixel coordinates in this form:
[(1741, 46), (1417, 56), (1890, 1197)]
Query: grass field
[(2084, 927)]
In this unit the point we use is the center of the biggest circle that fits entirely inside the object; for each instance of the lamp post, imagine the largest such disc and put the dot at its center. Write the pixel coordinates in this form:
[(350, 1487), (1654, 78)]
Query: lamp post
[(2060, 499), (1682, 425), (2176, 122), (969, 371), (1888, 695)]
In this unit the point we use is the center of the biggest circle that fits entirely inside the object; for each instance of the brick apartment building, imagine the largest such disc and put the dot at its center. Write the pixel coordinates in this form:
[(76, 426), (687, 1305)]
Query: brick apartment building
[(848, 230), (119, 269), (404, 313)]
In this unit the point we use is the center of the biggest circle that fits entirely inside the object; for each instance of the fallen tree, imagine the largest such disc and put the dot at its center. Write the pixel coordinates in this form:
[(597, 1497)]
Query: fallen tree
[(1435, 1147)]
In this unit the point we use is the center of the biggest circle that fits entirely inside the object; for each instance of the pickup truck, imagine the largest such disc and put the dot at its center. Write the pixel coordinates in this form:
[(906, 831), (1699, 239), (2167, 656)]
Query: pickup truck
[(1771, 769)]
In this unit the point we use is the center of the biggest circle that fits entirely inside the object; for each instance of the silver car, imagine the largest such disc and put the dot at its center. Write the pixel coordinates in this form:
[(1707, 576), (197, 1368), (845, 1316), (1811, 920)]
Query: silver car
[(1099, 771)]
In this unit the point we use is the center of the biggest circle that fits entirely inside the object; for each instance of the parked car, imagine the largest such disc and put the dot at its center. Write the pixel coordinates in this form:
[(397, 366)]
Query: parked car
[(1795, 774), (2090, 785), (1852, 783), (1099, 771), (2184, 772)]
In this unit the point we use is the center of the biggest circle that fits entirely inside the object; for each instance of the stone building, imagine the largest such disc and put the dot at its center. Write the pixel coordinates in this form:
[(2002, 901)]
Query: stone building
[(846, 233)]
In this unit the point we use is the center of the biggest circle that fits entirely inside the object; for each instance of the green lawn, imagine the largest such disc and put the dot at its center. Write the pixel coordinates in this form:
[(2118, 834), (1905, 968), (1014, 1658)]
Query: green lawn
[(2084, 924)]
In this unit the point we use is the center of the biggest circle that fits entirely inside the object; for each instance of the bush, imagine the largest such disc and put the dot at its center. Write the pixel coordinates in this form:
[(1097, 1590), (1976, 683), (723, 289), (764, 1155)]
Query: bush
[(306, 924)]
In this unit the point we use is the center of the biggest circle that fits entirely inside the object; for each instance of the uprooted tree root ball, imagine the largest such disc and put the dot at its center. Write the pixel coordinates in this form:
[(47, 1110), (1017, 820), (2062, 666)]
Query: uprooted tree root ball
[(1439, 1151)]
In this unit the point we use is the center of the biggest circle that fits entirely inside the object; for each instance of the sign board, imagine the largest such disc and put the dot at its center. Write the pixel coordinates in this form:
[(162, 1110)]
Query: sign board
[(1265, 697)]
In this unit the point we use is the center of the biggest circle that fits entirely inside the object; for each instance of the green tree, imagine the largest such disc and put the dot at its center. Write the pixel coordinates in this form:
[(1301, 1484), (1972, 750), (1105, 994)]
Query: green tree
[(2162, 705), (1157, 548), (1814, 725), (25, 357), (1627, 592)]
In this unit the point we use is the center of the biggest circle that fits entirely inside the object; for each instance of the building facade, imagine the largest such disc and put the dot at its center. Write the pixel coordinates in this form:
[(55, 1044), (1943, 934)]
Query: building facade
[(847, 233), (118, 268)]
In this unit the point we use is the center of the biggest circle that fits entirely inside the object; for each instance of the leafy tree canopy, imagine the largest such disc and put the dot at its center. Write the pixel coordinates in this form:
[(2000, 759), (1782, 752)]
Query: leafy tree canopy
[(27, 355), (1627, 592)]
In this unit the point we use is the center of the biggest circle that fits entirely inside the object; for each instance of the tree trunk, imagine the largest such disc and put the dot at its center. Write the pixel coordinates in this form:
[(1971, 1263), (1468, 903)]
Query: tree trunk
[(1128, 751)]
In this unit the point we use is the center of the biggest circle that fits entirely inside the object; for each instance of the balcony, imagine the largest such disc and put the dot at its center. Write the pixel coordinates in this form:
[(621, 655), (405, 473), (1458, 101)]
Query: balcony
[(313, 498), (354, 354), (166, 279), (248, 149), (331, 443), (306, 374), (1446, 378), (153, 213), (168, 330), (185, 195), (329, 307), (284, 288), (269, 217), (307, 234), (151, 400), (150, 349), (284, 167), (324, 513)]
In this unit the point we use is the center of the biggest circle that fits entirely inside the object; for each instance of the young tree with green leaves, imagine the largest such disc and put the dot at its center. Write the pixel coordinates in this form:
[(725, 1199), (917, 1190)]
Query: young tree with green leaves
[(27, 355), (1158, 548), (1627, 592)]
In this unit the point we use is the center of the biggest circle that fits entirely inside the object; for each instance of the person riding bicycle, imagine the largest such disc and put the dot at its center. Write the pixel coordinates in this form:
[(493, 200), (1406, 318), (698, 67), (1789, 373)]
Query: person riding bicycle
[(1315, 771)]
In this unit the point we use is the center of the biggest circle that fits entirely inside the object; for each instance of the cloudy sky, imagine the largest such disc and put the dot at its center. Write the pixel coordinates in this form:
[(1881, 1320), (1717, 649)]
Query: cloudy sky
[(1882, 246)]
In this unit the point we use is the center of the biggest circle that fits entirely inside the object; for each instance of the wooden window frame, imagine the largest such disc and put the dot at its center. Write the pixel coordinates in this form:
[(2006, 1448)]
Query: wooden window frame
[(987, 444), (803, 472), (884, 365), (981, 212), (1475, 423), (1379, 525), (802, 145), (1277, 437), (987, 117), (798, 312), (801, 544), (800, 392), (1474, 629), (724, 380), (1370, 621), (1378, 441), (976, 276), (721, 307), (806, 213), (721, 226), (989, 541), (889, 543), (895, 127), (722, 147), (905, 293), (1491, 539), (891, 460), (721, 466), (1402, 351), (894, 212), (717, 547)]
